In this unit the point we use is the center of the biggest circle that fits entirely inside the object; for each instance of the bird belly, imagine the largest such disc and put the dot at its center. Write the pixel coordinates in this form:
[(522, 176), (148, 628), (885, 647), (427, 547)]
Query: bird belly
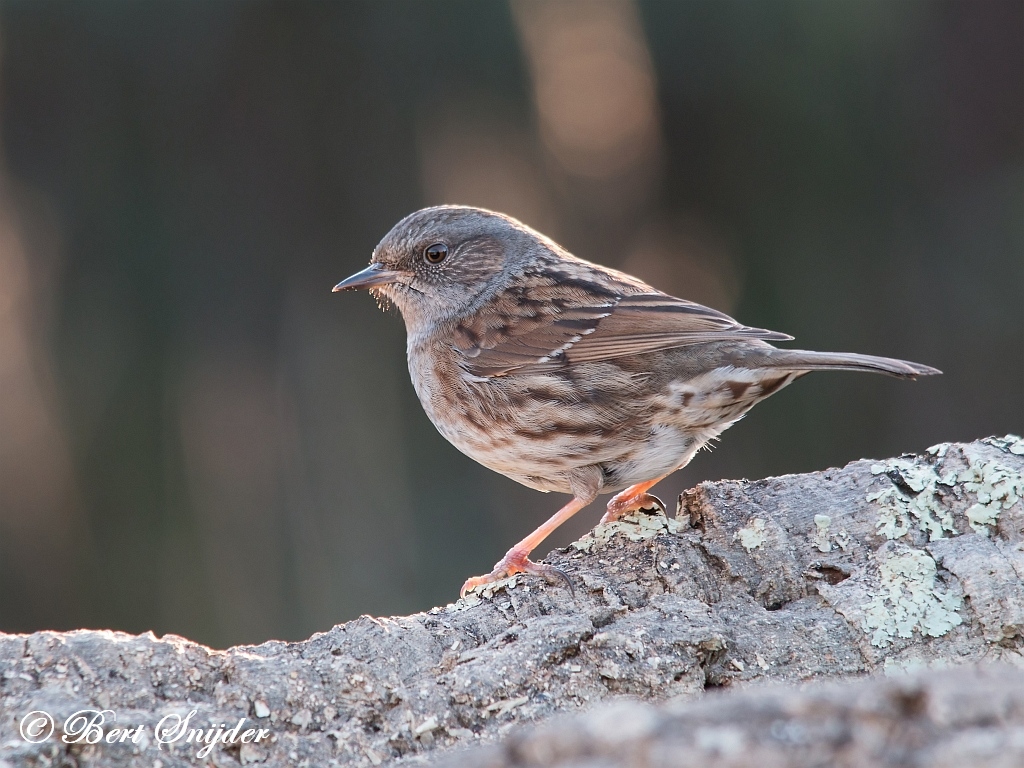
[(659, 454), (538, 429), (539, 457), (534, 432), (558, 440)]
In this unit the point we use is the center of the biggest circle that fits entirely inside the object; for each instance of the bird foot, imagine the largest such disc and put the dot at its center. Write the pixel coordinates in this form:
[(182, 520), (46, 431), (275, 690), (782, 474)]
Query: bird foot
[(619, 508), (517, 562)]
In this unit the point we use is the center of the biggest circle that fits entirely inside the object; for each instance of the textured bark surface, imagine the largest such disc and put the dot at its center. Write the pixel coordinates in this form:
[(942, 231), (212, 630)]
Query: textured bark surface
[(880, 566), (963, 718)]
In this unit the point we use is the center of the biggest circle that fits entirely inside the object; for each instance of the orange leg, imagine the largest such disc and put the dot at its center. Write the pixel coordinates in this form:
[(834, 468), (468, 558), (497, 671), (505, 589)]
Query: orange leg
[(633, 498), (517, 559)]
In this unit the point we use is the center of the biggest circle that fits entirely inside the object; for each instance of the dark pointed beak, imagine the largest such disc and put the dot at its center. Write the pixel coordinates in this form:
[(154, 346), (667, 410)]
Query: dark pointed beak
[(375, 274)]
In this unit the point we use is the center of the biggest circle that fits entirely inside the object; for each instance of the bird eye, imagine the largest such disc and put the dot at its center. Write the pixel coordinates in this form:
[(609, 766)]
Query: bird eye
[(436, 253)]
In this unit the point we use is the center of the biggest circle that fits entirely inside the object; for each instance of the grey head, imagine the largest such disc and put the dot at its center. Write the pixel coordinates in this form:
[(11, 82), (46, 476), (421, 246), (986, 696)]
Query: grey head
[(443, 262)]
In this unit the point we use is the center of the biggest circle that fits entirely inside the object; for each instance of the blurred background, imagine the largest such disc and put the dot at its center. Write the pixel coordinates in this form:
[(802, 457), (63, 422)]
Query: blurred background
[(198, 437)]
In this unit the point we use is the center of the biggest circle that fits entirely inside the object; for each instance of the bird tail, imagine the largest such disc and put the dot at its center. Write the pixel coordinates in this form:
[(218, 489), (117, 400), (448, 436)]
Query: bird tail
[(801, 360)]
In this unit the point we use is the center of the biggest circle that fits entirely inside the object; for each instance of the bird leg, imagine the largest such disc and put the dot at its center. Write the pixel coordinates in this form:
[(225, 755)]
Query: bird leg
[(517, 559), (633, 498)]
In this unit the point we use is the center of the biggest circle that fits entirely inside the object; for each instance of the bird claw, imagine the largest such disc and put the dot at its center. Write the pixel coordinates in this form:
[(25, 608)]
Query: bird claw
[(616, 511), (553, 575), (653, 502), (514, 563)]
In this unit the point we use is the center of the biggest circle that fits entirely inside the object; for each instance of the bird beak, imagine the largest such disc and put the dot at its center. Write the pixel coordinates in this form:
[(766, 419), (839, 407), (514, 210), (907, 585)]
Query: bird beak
[(375, 274)]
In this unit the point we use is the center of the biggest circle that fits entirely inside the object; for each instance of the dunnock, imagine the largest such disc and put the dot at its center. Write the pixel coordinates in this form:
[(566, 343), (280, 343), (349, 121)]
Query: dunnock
[(564, 375)]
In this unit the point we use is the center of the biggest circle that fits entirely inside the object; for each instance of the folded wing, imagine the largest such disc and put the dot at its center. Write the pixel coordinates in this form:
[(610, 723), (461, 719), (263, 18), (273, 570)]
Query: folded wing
[(540, 327)]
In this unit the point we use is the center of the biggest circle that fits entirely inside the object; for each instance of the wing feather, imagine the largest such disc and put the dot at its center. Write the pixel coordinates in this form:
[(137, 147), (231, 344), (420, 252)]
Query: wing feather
[(549, 323)]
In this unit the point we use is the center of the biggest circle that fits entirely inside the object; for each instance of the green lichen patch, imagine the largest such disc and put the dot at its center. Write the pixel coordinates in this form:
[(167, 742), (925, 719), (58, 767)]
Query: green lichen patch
[(821, 526), (1010, 443), (915, 502), (635, 527), (475, 595), (995, 486), (910, 665), (907, 599), (914, 498), (751, 536)]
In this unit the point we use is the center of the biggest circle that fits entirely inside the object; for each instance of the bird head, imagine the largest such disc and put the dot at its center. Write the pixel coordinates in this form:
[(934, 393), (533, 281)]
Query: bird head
[(442, 262)]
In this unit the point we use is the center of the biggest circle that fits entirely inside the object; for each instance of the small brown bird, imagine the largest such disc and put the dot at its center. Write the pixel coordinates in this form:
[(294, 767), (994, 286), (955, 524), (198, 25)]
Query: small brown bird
[(567, 376)]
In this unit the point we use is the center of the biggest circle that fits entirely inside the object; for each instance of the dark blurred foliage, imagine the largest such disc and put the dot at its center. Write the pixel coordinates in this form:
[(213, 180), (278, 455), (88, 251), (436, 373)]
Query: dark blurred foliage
[(197, 437)]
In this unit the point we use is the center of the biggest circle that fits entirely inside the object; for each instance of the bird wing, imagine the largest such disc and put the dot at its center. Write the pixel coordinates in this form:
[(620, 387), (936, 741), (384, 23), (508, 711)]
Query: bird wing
[(541, 327)]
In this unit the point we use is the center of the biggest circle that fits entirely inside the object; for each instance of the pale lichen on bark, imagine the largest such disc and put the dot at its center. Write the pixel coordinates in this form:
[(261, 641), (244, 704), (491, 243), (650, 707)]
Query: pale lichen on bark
[(834, 574)]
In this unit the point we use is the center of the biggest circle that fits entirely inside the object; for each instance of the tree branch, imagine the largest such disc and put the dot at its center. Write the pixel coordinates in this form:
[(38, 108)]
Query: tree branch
[(877, 566)]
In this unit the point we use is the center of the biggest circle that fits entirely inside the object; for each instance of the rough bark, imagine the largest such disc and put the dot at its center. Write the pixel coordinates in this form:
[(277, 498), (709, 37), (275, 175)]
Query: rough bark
[(962, 718), (880, 566)]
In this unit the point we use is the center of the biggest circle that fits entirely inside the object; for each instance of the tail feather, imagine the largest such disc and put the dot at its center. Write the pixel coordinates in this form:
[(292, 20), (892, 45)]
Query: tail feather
[(801, 360)]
